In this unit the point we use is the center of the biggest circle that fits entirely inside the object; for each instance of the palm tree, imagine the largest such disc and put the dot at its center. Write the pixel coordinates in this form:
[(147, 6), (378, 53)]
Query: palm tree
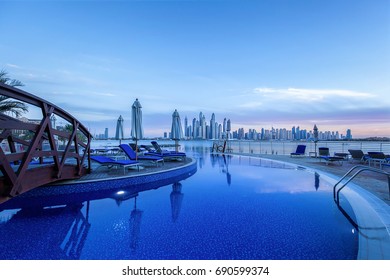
[(7, 104)]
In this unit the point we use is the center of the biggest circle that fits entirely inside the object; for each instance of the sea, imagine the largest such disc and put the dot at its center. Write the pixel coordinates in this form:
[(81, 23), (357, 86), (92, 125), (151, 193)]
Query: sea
[(258, 147)]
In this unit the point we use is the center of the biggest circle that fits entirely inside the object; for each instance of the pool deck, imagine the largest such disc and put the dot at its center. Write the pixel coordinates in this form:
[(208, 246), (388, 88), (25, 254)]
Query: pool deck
[(101, 173)]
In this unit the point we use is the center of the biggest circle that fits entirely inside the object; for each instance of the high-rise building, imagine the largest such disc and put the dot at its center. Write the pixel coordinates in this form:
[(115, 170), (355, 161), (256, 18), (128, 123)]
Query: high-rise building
[(203, 128), (106, 133), (186, 127), (349, 134), (193, 128), (228, 129), (212, 127)]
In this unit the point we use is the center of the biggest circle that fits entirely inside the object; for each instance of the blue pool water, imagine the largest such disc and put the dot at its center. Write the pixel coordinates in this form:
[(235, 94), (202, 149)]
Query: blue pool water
[(231, 208)]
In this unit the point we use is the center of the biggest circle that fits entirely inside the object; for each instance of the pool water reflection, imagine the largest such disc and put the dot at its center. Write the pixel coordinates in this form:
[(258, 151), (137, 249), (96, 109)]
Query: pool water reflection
[(231, 208)]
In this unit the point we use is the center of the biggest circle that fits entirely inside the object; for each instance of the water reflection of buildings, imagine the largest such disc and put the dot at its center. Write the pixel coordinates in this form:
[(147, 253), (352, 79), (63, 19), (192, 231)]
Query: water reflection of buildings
[(53, 223), (198, 152), (43, 229), (45, 233)]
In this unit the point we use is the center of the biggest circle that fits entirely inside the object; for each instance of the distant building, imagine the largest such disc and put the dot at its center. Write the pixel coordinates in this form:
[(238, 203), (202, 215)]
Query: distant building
[(186, 127), (349, 134)]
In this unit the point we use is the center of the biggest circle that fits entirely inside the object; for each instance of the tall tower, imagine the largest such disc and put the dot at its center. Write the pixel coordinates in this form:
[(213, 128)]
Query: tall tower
[(228, 128), (186, 127), (212, 127), (194, 128), (203, 127), (349, 134)]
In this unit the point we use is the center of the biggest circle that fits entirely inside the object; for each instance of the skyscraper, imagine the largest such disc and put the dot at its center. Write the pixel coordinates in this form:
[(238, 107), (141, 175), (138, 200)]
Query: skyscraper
[(193, 128), (228, 129), (186, 127), (212, 127), (203, 127), (349, 134)]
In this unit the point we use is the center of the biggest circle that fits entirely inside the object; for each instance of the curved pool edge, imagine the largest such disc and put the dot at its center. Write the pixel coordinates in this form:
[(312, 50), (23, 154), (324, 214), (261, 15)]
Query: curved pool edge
[(60, 194), (374, 235)]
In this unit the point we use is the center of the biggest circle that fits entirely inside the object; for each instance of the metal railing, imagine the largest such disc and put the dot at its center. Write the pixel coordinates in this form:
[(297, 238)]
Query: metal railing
[(360, 169), (287, 147)]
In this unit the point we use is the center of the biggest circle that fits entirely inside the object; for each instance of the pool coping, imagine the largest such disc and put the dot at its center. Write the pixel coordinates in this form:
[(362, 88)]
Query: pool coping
[(127, 176), (132, 182)]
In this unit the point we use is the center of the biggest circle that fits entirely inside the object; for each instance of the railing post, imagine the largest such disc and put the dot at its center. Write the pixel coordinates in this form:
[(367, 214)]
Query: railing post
[(260, 147)]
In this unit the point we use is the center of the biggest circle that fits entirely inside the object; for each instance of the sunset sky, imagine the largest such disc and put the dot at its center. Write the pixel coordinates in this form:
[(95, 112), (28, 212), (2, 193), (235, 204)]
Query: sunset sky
[(279, 63)]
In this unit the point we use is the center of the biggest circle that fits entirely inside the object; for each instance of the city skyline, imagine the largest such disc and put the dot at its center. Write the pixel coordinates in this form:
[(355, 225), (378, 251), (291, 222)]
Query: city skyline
[(202, 128), (262, 64)]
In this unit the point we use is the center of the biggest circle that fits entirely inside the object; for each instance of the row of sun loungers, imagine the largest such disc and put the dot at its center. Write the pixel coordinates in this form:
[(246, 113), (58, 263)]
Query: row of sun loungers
[(372, 158), (133, 159)]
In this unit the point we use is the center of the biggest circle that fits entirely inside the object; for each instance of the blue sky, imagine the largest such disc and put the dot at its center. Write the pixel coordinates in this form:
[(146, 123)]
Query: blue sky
[(260, 63)]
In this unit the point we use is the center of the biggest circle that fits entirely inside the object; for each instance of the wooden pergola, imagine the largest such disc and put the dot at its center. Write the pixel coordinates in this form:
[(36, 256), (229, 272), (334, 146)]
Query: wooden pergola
[(27, 163)]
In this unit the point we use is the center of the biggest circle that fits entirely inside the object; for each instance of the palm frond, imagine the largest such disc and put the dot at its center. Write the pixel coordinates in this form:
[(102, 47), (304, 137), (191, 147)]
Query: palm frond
[(14, 107), (8, 81)]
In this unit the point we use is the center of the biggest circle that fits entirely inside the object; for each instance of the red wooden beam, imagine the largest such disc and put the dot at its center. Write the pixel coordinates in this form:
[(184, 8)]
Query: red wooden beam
[(25, 177)]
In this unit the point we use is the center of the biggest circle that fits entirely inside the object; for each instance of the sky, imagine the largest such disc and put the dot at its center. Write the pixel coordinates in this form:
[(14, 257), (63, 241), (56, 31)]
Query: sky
[(261, 64)]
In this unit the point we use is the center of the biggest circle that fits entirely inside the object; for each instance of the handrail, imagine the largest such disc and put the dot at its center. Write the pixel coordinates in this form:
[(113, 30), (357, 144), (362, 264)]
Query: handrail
[(17, 176), (336, 194)]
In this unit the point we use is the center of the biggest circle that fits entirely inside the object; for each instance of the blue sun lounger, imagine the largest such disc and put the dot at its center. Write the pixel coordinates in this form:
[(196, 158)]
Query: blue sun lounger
[(159, 150), (300, 151), (324, 154), (109, 162), (130, 153), (165, 153)]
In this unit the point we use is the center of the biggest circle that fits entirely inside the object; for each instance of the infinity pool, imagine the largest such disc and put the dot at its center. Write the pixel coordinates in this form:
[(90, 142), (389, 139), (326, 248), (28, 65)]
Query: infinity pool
[(231, 208)]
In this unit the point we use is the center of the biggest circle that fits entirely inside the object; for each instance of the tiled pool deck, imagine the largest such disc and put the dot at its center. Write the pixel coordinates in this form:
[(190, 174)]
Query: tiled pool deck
[(147, 168)]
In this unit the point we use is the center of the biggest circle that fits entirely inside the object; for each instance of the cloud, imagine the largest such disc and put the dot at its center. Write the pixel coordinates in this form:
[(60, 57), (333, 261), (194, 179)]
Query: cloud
[(10, 65), (251, 105), (305, 100), (310, 95)]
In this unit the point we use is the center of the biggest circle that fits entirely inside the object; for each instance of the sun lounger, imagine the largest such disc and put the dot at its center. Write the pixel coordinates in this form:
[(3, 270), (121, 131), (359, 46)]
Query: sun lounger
[(323, 153), (377, 157), (167, 156), (159, 150), (358, 155), (385, 164), (109, 162), (300, 151), (130, 153), (165, 153)]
